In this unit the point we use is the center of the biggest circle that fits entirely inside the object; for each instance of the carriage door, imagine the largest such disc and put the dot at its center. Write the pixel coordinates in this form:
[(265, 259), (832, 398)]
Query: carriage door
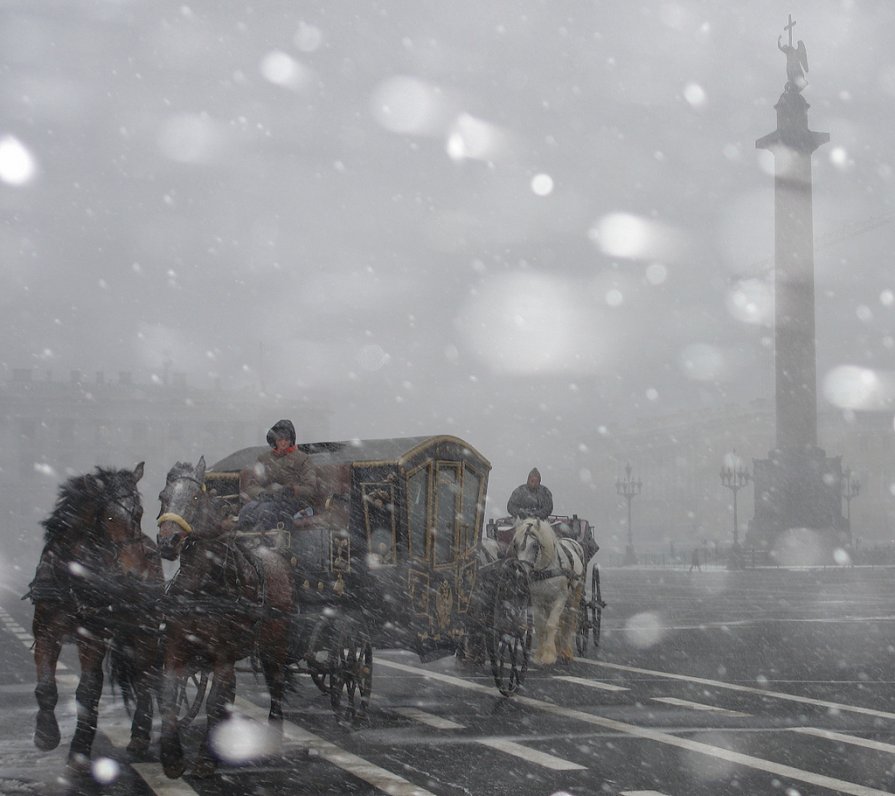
[(447, 512), (443, 546)]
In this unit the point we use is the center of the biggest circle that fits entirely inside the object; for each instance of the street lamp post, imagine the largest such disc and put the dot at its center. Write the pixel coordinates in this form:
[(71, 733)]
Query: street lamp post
[(628, 488), (851, 487), (735, 476)]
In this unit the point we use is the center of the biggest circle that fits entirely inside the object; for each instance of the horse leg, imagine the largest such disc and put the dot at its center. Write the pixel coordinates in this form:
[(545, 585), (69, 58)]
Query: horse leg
[(146, 685), (91, 651), (171, 750), (543, 655), (218, 705), (551, 625), (47, 646), (568, 624), (274, 664)]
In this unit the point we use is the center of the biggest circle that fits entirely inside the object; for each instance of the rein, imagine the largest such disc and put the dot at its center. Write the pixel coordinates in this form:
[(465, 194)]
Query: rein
[(170, 516)]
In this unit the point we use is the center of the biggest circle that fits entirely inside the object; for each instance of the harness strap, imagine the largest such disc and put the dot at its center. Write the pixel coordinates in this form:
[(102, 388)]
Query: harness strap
[(170, 516)]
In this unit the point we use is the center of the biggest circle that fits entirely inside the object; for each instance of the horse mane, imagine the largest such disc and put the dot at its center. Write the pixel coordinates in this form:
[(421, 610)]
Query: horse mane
[(83, 493), (181, 469)]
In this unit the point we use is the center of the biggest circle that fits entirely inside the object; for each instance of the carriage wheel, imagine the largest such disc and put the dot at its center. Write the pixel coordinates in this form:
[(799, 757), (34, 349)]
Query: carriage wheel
[(510, 637), (189, 697), (318, 655), (583, 625), (348, 668), (358, 673), (597, 605)]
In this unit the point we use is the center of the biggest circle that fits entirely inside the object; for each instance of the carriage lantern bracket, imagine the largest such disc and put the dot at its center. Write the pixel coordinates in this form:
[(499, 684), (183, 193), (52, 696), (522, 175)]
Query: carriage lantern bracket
[(735, 475), (628, 488), (851, 488)]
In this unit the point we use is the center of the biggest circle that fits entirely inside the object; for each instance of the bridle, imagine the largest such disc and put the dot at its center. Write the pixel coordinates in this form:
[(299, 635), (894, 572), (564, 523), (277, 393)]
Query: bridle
[(132, 510), (171, 516)]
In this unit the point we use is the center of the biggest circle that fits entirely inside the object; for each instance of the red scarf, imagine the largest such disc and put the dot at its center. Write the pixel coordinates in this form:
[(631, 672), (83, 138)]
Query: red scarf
[(290, 449)]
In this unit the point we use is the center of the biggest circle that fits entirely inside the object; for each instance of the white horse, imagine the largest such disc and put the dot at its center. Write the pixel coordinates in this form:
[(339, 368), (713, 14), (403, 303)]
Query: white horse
[(556, 575)]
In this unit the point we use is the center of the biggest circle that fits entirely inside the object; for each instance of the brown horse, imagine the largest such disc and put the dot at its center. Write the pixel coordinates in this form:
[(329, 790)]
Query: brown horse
[(225, 603), (97, 583)]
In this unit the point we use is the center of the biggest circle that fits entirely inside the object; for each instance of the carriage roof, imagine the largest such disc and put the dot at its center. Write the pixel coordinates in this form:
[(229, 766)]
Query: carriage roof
[(396, 450)]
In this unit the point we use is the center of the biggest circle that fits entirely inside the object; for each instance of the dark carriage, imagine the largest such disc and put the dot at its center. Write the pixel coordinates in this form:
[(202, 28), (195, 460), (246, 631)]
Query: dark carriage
[(390, 557)]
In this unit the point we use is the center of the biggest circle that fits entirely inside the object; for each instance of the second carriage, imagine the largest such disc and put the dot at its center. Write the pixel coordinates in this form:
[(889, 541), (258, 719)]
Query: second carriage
[(589, 610), (392, 558)]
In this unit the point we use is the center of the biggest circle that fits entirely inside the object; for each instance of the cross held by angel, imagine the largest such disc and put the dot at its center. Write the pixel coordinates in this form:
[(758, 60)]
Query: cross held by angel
[(796, 60)]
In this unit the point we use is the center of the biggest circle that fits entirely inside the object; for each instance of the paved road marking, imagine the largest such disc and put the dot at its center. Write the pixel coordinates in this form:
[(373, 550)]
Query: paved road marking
[(746, 689), (117, 729), (641, 793), (429, 719), (381, 778), (686, 703), (22, 634), (647, 733), (854, 740), (531, 755), (155, 778), (590, 683), (543, 759)]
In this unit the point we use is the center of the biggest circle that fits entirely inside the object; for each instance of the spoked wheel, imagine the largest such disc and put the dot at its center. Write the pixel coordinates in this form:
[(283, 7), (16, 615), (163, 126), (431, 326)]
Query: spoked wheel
[(189, 697), (597, 606), (350, 664), (321, 679), (318, 653), (590, 615), (509, 644), (584, 624)]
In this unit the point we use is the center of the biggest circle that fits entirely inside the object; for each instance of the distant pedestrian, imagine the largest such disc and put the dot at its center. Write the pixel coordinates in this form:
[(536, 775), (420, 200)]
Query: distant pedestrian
[(694, 560)]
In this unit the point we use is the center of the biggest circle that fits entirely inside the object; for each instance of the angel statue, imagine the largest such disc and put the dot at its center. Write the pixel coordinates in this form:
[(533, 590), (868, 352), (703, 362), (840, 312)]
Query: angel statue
[(796, 63)]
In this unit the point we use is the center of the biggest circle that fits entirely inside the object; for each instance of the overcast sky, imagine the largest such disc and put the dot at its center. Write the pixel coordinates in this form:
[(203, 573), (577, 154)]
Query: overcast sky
[(512, 220)]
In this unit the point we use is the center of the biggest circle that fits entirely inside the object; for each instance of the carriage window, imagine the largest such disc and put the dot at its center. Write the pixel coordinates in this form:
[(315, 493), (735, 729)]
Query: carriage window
[(417, 505), (446, 507), (379, 516), (472, 484)]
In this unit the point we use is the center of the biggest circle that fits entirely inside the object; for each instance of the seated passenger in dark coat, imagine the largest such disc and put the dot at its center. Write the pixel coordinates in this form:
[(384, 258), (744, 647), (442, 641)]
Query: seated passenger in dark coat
[(531, 499), (280, 485)]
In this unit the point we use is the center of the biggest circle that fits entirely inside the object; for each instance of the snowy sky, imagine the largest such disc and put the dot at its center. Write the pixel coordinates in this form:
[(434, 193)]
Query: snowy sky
[(515, 220)]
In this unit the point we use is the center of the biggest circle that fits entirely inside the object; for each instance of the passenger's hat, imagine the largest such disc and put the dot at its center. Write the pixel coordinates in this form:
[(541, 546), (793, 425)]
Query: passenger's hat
[(282, 429)]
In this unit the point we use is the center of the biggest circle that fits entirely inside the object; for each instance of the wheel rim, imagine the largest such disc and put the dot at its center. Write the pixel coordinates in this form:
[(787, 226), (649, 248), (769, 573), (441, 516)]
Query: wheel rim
[(583, 627)]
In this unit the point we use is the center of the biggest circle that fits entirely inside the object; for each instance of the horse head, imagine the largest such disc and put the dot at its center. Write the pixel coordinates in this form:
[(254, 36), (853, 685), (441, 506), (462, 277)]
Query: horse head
[(96, 517), (534, 543), (121, 508), (185, 510)]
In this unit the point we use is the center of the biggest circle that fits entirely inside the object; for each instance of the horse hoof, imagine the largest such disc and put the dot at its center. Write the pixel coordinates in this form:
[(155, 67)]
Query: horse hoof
[(173, 770), (203, 768), (138, 747), (46, 731), (78, 763)]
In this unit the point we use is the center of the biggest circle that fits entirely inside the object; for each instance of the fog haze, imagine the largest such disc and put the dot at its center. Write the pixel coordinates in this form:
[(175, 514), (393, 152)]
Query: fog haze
[(524, 223)]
